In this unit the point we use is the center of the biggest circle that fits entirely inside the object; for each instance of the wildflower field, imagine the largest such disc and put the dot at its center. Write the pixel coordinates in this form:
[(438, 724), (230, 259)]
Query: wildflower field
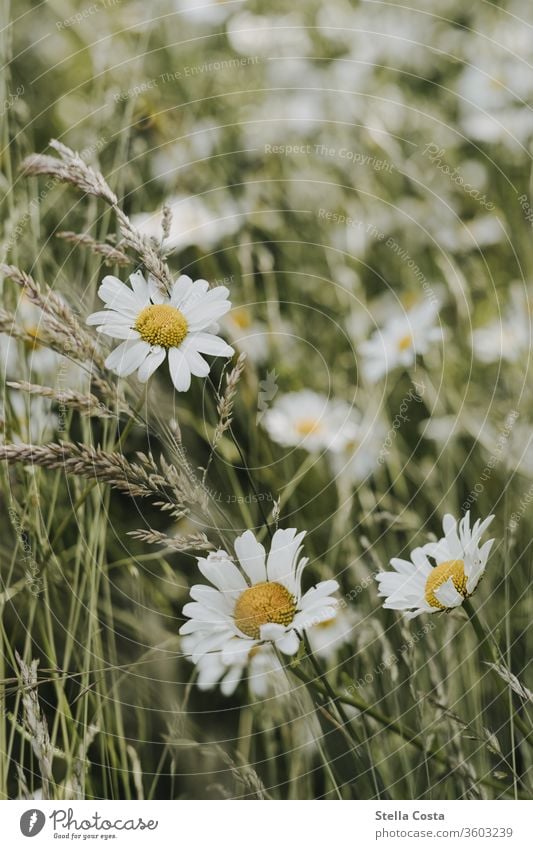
[(266, 418)]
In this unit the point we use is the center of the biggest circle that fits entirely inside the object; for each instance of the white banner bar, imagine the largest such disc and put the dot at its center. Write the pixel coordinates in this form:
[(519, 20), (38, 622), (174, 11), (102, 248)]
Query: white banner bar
[(232, 824)]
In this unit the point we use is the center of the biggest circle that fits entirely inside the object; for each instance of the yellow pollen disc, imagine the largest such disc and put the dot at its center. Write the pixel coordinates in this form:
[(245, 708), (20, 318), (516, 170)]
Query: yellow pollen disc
[(241, 318), (307, 426), (405, 342), (162, 324), (262, 604), (454, 569)]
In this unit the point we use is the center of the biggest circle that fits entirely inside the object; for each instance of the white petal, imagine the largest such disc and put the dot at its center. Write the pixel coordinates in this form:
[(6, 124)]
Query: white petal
[(179, 370), (210, 670), (213, 619), (448, 595), (314, 616), (224, 575), (251, 556), (198, 366), (120, 297), (281, 564), (151, 363), (157, 295), (119, 331), (182, 286), (201, 317), (139, 286), (208, 343), (272, 631), (324, 588), (127, 357), (236, 650), (289, 643), (212, 641), (230, 682)]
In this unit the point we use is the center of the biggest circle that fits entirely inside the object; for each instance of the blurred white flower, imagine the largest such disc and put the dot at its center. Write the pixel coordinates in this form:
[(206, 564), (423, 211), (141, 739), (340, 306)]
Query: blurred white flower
[(328, 637), (262, 602), (311, 421), (400, 341), (508, 337), (416, 586), (27, 418), (153, 325), (247, 334), (360, 456), (259, 35), (171, 159), (193, 223), (39, 360), (209, 12)]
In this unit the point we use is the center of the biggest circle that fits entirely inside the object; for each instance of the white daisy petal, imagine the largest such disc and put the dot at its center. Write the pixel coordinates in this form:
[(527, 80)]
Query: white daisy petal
[(223, 575), (231, 680), (207, 343), (197, 365), (251, 556), (448, 595), (151, 363), (116, 295), (180, 290), (127, 357), (118, 331), (179, 370), (272, 631), (289, 643), (157, 295), (140, 287)]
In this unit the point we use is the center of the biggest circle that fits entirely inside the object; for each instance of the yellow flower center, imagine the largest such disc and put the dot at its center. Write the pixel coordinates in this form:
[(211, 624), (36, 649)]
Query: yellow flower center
[(454, 569), (241, 318), (262, 604), (162, 324), (307, 426), (31, 343), (405, 342)]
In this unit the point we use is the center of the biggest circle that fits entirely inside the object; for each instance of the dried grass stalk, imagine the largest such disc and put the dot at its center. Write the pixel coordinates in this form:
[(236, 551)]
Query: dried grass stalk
[(110, 254), (142, 479), (35, 723), (193, 542), (69, 167), (87, 405)]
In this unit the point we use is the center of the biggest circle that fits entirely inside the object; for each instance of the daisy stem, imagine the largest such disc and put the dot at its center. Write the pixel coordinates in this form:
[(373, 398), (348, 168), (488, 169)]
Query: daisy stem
[(491, 655), (322, 678), (406, 734)]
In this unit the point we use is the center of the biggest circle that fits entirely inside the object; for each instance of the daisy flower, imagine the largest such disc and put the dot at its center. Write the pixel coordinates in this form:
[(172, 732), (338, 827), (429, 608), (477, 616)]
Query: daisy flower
[(154, 325), (42, 361), (311, 421), (417, 586), (256, 604), (400, 341), (509, 337), (327, 637), (192, 222), (246, 334)]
